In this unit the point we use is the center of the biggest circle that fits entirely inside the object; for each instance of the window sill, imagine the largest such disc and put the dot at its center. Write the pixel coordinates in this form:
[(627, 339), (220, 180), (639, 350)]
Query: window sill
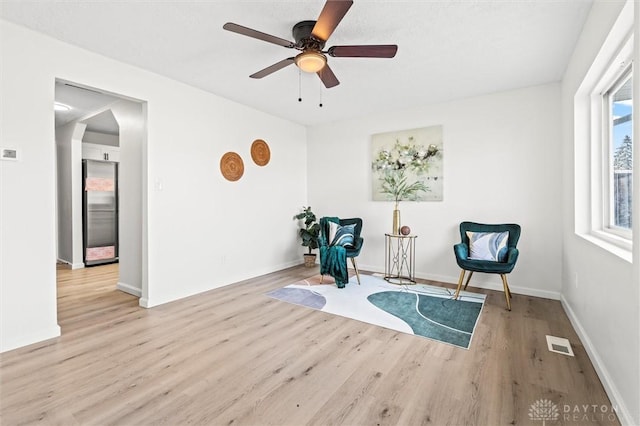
[(614, 245)]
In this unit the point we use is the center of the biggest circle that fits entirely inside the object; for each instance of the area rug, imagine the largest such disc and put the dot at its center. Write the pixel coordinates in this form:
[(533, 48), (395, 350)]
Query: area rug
[(420, 309)]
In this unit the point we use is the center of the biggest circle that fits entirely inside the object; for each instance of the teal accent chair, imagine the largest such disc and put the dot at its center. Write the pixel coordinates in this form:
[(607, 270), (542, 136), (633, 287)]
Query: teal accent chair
[(358, 241), (462, 251)]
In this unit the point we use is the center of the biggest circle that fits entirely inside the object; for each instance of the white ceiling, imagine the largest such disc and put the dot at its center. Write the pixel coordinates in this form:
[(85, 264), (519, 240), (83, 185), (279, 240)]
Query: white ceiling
[(446, 49), (85, 103)]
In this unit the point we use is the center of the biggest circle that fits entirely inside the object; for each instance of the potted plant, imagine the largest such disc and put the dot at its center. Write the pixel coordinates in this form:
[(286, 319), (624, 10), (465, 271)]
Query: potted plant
[(309, 234)]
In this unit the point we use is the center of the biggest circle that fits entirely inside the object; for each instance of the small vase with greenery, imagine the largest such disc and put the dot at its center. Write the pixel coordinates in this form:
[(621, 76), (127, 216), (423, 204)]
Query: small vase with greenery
[(396, 186), (309, 234)]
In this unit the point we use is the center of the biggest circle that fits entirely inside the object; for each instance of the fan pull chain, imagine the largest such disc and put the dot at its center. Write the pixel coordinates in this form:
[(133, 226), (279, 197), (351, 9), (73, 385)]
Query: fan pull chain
[(320, 95), (299, 85)]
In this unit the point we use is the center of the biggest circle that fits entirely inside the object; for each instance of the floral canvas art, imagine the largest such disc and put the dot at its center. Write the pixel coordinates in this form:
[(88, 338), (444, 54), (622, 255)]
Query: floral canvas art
[(407, 165)]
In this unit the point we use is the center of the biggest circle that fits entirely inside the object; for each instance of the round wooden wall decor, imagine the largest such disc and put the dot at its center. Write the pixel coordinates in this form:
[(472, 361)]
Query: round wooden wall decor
[(231, 166), (260, 152)]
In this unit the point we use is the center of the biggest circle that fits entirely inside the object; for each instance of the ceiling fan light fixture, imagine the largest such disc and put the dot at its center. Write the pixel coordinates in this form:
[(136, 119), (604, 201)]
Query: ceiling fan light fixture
[(310, 61)]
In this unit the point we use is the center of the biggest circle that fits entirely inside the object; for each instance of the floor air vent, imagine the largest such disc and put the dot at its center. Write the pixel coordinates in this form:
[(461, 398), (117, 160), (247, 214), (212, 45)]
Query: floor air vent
[(559, 345)]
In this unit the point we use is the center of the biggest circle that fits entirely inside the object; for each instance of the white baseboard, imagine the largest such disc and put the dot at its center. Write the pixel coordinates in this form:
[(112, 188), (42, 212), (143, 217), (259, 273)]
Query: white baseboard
[(127, 288), (609, 386), (72, 265), (38, 337), (279, 267), (146, 302), (526, 291), (478, 282)]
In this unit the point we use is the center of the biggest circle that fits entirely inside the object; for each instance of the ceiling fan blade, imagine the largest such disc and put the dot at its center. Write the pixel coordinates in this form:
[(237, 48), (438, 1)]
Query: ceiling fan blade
[(327, 76), (331, 15), (230, 26), (273, 68), (366, 51)]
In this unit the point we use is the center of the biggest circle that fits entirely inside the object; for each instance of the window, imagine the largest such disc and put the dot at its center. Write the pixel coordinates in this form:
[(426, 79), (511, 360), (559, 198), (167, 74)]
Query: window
[(612, 150), (618, 142), (603, 142), (611, 136)]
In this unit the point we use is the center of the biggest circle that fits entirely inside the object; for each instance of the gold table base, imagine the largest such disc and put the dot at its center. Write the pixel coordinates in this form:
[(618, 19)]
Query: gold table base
[(399, 262)]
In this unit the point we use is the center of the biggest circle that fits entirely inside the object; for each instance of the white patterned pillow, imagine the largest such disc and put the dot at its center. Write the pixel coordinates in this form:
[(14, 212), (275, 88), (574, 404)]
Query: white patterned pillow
[(488, 245), (341, 235)]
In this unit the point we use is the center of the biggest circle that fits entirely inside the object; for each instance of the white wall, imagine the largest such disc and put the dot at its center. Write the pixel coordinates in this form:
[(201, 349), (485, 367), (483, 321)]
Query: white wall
[(199, 230), (501, 164), (132, 123), (205, 231), (101, 138), (68, 149), (27, 194), (600, 290)]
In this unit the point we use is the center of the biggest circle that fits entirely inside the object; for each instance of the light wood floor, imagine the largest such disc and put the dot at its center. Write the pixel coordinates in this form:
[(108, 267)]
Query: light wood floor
[(233, 356)]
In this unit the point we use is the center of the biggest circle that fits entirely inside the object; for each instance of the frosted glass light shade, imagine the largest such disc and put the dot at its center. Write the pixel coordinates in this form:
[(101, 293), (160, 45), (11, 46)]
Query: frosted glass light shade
[(310, 61)]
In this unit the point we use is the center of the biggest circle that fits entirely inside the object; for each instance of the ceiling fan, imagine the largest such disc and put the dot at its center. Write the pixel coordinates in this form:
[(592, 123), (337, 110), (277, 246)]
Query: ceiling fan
[(310, 38)]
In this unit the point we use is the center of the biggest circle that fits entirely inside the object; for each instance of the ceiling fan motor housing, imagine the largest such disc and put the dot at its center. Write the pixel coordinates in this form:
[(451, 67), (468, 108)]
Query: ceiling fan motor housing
[(302, 35), (310, 38)]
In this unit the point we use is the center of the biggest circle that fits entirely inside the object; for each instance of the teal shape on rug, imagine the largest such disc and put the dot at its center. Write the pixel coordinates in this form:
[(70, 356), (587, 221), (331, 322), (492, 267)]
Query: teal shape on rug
[(447, 320)]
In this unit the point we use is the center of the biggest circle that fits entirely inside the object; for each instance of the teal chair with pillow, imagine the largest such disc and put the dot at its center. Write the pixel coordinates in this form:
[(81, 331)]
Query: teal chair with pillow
[(339, 239), (487, 248)]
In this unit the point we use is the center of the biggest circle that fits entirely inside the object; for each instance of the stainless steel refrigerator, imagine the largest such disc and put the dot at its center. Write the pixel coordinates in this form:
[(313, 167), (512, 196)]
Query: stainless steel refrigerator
[(100, 212)]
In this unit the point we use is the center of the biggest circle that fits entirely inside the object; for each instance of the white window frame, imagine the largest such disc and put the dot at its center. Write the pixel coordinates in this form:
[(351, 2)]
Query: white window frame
[(618, 68), (609, 151), (608, 64)]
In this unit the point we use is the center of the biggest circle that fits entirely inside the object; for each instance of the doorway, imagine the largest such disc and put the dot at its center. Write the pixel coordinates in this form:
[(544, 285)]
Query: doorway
[(88, 120)]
